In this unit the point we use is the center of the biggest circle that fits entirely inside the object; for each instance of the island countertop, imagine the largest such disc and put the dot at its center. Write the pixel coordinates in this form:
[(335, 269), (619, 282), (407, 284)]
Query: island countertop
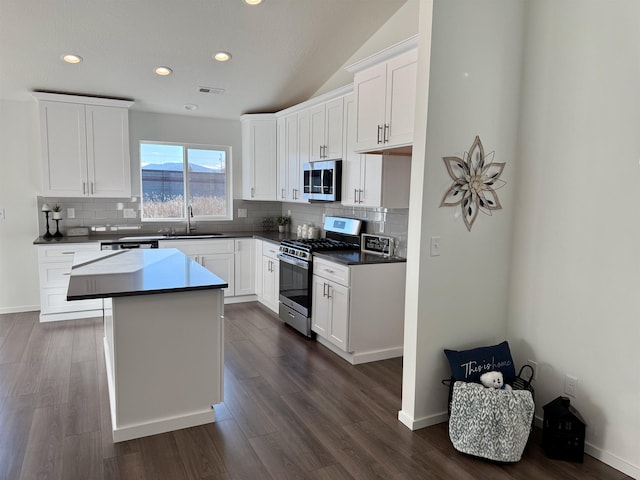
[(137, 272)]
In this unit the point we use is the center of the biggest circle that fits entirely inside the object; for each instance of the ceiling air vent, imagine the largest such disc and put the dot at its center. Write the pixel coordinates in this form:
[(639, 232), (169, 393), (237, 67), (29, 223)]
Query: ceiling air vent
[(211, 90)]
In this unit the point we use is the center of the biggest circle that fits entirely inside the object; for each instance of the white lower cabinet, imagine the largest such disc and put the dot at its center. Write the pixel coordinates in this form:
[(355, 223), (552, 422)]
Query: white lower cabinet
[(270, 276), (217, 256), (54, 265), (330, 315), (358, 310), (245, 266)]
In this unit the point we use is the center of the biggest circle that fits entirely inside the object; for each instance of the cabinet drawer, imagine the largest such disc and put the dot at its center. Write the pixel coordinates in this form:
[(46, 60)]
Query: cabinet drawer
[(55, 274), (270, 249), (331, 271), (58, 253)]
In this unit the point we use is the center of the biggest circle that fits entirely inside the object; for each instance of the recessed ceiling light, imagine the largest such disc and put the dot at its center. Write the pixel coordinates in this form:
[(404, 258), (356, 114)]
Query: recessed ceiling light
[(253, 2), (163, 71), (70, 58), (222, 56), (191, 107)]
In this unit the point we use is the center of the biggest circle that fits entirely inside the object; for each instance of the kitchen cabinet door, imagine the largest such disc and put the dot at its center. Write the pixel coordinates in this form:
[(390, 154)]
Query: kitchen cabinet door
[(338, 296), (334, 131), (321, 307), (293, 189), (223, 265), (64, 149), (270, 283), (370, 180), (259, 157), (108, 162), (400, 99), (304, 139), (369, 90), (385, 97), (245, 265), (85, 147), (326, 130)]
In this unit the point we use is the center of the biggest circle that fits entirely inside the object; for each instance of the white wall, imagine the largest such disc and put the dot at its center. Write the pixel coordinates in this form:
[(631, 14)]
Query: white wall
[(184, 129), (19, 184), (574, 301), (402, 25), (458, 299)]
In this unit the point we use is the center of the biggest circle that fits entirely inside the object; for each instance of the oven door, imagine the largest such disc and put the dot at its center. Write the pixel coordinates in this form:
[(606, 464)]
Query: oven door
[(295, 284)]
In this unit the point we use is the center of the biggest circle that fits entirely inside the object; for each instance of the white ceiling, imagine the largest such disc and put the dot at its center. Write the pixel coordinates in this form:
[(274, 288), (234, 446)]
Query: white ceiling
[(283, 50)]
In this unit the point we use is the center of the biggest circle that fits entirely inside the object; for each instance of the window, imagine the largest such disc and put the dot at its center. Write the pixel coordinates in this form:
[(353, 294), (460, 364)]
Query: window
[(206, 185)]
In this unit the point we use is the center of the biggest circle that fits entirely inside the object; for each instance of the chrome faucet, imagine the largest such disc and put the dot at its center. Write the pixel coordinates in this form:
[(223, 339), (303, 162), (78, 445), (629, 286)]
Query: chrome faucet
[(189, 227)]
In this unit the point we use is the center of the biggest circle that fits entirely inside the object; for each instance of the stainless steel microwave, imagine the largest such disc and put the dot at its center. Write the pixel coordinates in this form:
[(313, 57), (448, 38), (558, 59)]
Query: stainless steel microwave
[(322, 180)]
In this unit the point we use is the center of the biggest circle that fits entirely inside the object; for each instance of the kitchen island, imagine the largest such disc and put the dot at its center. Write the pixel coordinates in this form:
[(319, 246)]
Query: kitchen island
[(164, 337)]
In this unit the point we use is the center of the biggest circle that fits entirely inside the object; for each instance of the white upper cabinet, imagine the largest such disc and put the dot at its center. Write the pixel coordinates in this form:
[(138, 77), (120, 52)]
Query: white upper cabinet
[(85, 146), (385, 91), (327, 131), (372, 180), (293, 151), (259, 154)]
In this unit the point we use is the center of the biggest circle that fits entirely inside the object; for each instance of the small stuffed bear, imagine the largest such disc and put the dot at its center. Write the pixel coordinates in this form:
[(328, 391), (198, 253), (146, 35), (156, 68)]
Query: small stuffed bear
[(494, 380)]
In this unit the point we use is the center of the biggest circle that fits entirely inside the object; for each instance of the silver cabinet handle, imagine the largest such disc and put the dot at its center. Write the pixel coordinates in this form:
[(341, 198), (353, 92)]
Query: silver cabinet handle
[(92, 189), (355, 195), (385, 137), (379, 134), (253, 192), (283, 194), (324, 289), (84, 188), (360, 196), (328, 291)]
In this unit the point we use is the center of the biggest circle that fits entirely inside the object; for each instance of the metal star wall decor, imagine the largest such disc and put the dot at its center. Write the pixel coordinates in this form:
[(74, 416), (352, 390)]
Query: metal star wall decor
[(475, 181)]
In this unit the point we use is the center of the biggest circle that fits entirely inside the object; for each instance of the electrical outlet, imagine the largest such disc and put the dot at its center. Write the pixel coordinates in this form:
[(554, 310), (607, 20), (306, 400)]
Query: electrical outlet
[(71, 213), (571, 385), (242, 213), (435, 246), (534, 365), (129, 213)]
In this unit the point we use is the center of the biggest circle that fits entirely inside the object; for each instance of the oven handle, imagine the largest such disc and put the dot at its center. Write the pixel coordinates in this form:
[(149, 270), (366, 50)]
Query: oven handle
[(294, 261)]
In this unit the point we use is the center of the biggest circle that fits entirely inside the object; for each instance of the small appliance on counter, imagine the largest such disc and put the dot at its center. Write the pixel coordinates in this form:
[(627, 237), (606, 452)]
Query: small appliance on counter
[(378, 244)]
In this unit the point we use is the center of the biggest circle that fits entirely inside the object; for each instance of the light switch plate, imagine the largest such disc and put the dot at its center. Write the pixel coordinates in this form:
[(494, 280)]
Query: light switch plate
[(435, 247), (129, 213)]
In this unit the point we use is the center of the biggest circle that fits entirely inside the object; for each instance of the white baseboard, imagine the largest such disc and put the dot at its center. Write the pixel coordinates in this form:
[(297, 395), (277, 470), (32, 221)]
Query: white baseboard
[(163, 425), (22, 309), (241, 299), (416, 424), (58, 317), (361, 357)]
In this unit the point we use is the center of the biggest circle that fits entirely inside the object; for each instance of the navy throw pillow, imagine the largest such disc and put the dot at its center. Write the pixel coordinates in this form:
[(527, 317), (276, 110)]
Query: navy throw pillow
[(468, 365)]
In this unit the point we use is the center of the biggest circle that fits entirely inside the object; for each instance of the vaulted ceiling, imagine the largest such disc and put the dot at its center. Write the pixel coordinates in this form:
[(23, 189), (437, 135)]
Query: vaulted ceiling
[(282, 51)]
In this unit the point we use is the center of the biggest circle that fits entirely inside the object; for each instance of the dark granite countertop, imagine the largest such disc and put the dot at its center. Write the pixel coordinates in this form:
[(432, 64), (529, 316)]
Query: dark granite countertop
[(346, 257), (351, 257), (275, 237), (137, 272)]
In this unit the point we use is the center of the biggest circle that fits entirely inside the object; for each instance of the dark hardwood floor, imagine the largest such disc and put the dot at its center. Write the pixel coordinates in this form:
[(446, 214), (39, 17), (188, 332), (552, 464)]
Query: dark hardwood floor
[(292, 410)]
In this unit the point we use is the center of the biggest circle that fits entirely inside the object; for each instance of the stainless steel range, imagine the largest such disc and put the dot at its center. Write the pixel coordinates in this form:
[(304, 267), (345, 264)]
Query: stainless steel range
[(296, 268)]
